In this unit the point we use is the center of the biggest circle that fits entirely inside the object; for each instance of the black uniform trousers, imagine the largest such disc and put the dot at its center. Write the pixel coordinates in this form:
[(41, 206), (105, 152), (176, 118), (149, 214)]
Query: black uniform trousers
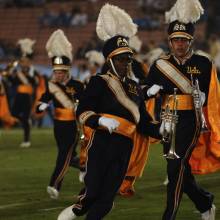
[(108, 157), (65, 133), (22, 110), (179, 171)]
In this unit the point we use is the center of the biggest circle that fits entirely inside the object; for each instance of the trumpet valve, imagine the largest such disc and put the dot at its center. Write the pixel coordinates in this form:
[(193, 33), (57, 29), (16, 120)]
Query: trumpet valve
[(171, 155)]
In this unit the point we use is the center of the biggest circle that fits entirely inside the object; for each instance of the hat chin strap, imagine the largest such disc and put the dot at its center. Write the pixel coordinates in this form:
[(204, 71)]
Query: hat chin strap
[(113, 67)]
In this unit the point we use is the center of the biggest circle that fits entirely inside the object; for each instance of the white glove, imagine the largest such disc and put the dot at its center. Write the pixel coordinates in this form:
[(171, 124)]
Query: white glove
[(153, 90), (43, 106), (165, 127), (110, 123)]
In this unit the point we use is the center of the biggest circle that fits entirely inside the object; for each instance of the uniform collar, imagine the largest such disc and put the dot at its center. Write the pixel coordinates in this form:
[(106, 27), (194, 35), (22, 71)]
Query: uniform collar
[(183, 61)]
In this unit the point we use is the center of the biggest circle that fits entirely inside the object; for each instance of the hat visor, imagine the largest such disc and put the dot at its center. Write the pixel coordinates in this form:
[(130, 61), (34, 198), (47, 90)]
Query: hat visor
[(61, 67), (180, 35), (119, 51)]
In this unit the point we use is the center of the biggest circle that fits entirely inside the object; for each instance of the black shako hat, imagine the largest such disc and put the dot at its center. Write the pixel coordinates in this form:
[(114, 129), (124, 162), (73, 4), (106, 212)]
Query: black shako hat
[(61, 63), (115, 26), (182, 17), (59, 50), (115, 46), (180, 29)]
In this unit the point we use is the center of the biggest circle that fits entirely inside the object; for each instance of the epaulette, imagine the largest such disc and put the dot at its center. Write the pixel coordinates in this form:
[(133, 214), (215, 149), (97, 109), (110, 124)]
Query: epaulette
[(204, 54), (164, 57)]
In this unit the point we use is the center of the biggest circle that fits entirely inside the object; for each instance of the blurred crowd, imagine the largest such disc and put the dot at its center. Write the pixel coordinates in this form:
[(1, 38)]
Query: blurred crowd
[(149, 16)]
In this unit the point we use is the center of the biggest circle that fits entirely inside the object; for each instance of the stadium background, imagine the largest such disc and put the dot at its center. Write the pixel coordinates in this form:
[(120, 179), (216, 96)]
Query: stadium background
[(37, 19), (24, 173)]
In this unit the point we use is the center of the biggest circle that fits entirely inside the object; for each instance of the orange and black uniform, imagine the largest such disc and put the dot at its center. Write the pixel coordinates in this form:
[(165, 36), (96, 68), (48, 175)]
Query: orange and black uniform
[(108, 154), (25, 86), (187, 129), (5, 114), (65, 128)]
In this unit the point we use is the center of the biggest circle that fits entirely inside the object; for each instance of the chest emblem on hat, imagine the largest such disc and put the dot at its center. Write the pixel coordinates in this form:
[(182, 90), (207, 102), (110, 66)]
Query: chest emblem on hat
[(193, 70), (179, 27), (122, 42)]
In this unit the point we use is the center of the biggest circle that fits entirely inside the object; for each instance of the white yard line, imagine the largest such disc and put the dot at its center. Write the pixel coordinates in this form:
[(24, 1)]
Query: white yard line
[(15, 204), (125, 210), (159, 185), (50, 209), (6, 206), (28, 203)]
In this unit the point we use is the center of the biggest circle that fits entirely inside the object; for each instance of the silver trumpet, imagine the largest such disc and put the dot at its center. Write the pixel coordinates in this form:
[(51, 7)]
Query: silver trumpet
[(9, 68), (80, 132), (170, 116), (200, 117)]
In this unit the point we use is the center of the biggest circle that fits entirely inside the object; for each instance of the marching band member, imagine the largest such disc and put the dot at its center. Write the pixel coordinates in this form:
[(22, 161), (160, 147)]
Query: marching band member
[(113, 106), (177, 77), (25, 83), (63, 91)]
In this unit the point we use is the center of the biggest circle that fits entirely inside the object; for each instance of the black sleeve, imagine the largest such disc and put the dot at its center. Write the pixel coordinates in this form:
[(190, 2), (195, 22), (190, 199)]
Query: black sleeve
[(89, 101), (79, 91), (151, 78), (144, 90), (146, 125), (46, 97)]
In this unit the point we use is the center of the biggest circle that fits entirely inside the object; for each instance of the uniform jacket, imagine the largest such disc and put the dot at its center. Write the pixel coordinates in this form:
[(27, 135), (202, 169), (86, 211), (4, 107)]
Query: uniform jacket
[(106, 94)]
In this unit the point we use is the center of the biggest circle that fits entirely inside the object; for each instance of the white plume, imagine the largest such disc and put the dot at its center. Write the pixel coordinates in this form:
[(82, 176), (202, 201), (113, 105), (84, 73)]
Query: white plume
[(113, 21), (154, 54), (58, 45), (217, 60), (26, 45), (135, 43), (94, 56), (185, 11)]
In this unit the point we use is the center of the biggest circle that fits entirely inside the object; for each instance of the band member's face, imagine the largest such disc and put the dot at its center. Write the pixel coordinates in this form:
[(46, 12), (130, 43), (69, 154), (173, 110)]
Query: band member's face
[(93, 68), (180, 46), (25, 64), (60, 75), (121, 63)]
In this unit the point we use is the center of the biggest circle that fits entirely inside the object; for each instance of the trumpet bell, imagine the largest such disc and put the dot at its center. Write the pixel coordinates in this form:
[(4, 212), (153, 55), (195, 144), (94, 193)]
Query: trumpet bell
[(82, 137)]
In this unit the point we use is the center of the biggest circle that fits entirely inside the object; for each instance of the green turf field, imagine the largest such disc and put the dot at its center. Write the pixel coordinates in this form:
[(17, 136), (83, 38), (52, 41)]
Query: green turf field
[(24, 175)]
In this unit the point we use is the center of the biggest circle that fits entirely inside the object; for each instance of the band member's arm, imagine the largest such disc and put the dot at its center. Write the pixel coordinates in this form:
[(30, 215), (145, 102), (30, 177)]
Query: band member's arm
[(79, 91), (87, 109), (43, 101), (146, 125), (153, 86)]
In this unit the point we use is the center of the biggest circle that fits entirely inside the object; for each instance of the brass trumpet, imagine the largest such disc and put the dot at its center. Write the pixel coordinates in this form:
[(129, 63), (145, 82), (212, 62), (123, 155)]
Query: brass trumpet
[(9, 68), (80, 132), (200, 117), (170, 116)]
